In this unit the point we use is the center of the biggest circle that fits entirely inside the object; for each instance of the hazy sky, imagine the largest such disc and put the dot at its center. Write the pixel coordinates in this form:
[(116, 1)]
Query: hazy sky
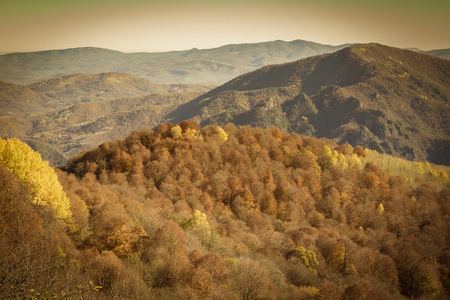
[(164, 25)]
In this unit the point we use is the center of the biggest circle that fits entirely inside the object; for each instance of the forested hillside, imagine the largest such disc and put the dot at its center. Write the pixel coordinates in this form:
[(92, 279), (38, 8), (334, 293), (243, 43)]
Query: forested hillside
[(384, 98), (184, 212)]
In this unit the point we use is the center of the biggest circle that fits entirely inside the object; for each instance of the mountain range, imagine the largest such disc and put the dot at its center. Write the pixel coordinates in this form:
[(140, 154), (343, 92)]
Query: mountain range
[(391, 100), (216, 66)]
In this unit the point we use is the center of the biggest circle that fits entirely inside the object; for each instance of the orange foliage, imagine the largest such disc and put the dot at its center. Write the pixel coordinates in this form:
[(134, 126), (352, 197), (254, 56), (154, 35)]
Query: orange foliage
[(263, 193)]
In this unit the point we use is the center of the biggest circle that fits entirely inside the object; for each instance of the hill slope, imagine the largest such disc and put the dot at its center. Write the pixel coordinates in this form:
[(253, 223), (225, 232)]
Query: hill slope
[(18, 100), (47, 111), (221, 213), (388, 99), (62, 92), (86, 125), (298, 216)]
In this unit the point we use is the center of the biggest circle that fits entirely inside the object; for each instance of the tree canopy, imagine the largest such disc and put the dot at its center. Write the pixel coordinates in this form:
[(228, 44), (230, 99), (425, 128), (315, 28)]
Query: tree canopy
[(42, 179)]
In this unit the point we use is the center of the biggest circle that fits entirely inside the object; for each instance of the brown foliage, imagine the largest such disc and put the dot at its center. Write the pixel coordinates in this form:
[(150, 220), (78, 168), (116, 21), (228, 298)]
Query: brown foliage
[(263, 195), (330, 290), (36, 256), (210, 272), (251, 280), (358, 150)]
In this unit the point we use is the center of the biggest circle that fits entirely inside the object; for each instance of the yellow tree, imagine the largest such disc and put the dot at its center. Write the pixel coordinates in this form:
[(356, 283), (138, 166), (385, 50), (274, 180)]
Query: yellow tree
[(215, 131), (201, 227), (176, 132), (307, 257), (27, 164), (327, 159)]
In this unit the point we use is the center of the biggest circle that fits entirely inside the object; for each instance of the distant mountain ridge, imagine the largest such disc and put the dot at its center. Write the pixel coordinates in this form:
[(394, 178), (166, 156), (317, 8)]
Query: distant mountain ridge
[(384, 98), (216, 65), (441, 53)]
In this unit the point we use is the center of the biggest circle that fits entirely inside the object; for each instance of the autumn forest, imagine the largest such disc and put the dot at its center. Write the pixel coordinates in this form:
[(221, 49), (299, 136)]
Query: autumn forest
[(222, 212)]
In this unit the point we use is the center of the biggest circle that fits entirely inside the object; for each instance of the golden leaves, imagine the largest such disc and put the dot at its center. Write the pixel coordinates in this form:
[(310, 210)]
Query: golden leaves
[(28, 165)]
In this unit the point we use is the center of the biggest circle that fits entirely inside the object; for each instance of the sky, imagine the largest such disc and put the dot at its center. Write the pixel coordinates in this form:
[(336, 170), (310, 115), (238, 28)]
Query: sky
[(166, 25)]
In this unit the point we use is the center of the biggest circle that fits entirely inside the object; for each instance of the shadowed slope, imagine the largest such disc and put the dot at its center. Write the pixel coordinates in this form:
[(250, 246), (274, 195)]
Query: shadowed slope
[(389, 99)]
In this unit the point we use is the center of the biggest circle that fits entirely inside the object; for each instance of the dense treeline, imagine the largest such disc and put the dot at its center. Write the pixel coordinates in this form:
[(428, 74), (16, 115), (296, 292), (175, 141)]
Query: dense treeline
[(236, 213)]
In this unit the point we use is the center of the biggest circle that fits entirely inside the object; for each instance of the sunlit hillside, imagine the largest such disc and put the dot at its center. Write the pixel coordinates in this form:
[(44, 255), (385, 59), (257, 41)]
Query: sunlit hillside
[(415, 173), (183, 212)]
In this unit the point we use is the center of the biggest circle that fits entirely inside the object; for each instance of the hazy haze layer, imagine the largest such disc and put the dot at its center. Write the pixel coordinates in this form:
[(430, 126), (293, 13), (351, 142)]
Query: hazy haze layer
[(137, 25)]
